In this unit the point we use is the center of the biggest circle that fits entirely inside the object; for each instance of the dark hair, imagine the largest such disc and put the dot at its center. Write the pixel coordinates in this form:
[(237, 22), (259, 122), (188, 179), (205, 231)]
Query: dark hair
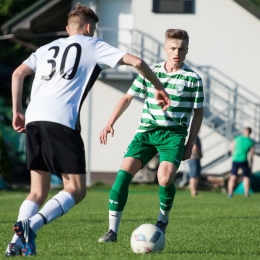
[(82, 13), (249, 129), (176, 34)]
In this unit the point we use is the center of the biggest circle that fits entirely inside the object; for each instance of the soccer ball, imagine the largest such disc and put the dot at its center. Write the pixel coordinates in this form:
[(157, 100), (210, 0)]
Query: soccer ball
[(147, 238)]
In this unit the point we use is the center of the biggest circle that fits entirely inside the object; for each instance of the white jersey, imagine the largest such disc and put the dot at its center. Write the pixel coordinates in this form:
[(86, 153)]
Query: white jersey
[(65, 71)]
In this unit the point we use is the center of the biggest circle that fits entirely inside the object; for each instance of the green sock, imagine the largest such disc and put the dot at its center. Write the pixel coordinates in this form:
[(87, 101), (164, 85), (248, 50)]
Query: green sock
[(119, 192), (166, 195)]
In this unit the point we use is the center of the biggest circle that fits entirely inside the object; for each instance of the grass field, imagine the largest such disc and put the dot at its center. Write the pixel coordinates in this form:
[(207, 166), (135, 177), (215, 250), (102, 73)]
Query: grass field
[(207, 227)]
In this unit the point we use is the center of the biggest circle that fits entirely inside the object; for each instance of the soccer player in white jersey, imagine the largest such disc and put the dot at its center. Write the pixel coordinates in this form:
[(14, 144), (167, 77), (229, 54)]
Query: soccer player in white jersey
[(65, 71), (162, 132)]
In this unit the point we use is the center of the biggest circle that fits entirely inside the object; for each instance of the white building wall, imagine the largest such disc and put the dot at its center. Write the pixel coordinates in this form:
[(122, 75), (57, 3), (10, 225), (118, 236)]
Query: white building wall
[(222, 35), (105, 96)]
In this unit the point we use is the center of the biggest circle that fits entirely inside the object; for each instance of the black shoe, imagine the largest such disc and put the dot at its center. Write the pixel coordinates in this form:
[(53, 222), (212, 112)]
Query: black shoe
[(110, 236), (162, 226), (13, 250)]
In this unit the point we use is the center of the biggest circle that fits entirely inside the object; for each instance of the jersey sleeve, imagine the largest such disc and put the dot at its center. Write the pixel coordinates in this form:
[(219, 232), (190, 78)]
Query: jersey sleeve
[(197, 94), (31, 61), (138, 88), (107, 55)]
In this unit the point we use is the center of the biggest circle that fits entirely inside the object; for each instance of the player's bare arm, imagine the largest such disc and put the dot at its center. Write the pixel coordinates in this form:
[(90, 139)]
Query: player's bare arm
[(140, 65), (232, 147), (251, 157), (194, 130), (17, 88), (122, 105)]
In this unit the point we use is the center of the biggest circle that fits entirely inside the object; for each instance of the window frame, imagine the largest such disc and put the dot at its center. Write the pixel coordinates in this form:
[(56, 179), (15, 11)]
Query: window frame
[(187, 5)]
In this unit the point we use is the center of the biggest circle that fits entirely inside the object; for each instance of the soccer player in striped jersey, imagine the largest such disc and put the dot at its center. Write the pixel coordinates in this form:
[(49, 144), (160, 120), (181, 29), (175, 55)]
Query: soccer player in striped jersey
[(65, 71), (162, 132)]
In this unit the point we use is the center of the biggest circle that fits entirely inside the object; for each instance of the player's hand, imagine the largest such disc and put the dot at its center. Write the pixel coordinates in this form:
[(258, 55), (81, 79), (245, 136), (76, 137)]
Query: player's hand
[(19, 122), (187, 151), (103, 134), (162, 98)]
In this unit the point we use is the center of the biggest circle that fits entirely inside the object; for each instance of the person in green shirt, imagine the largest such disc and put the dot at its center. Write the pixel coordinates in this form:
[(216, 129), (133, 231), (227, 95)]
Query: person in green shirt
[(242, 148)]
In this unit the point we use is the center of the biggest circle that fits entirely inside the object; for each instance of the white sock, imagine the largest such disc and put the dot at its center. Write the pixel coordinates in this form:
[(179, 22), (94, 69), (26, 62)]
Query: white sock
[(114, 220), (36, 222), (163, 216), (27, 209), (54, 208)]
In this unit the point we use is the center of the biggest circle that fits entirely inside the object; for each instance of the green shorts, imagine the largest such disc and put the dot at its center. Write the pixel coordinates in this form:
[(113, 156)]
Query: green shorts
[(170, 145)]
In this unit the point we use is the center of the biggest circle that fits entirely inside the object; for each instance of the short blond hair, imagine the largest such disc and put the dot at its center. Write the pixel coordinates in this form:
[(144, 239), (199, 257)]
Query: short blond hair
[(176, 34)]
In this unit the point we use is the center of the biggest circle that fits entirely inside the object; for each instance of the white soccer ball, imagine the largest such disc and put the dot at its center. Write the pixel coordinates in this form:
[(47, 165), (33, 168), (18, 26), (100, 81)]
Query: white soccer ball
[(147, 238)]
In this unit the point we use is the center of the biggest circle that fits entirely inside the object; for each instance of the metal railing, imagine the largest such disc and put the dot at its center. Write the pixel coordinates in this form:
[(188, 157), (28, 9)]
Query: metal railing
[(133, 41)]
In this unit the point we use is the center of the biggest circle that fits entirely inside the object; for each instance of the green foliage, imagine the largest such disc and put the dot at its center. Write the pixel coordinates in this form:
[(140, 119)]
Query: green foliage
[(4, 156), (207, 227), (10, 8), (256, 2), (13, 53), (12, 153), (4, 160)]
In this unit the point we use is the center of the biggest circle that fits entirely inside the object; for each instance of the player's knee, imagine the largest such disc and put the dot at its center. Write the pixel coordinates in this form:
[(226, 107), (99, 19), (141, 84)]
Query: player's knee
[(166, 173), (80, 194), (38, 196), (233, 177), (165, 179), (165, 182)]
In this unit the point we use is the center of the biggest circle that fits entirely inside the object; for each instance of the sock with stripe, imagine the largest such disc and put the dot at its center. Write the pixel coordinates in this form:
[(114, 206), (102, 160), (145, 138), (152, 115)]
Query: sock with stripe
[(166, 195), (117, 198), (59, 205)]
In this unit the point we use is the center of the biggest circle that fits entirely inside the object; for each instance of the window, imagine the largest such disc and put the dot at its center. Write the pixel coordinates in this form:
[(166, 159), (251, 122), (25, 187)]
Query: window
[(174, 6)]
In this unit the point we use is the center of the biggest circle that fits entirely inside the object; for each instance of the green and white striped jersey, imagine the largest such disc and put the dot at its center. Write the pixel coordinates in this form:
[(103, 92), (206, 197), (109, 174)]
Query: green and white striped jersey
[(185, 90)]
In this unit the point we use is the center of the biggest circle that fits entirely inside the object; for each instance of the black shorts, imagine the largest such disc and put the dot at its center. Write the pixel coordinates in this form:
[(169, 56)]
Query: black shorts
[(243, 165), (54, 148)]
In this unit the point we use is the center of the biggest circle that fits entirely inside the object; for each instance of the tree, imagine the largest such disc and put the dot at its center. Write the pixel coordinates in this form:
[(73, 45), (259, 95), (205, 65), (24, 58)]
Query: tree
[(4, 161), (11, 54)]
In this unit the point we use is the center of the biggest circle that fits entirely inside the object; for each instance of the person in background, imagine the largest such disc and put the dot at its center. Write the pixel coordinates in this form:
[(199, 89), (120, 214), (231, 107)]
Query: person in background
[(242, 150), (195, 167)]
